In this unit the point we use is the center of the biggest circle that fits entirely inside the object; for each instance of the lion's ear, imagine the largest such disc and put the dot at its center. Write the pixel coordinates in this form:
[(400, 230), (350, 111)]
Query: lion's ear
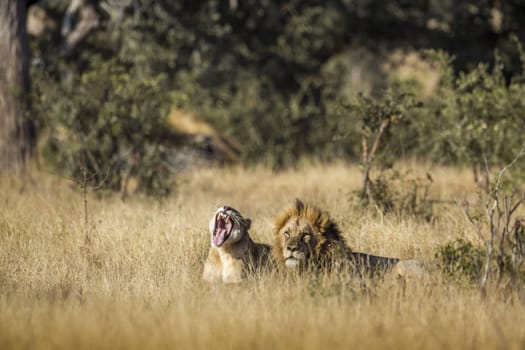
[(299, 205), (248, 223)]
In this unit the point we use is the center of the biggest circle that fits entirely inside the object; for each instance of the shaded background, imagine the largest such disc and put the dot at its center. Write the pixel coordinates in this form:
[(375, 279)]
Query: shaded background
[(142, 89)]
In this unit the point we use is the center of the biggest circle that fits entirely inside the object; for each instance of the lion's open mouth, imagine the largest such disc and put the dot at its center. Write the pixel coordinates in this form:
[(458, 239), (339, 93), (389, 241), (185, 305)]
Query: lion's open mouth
[(222, 230)]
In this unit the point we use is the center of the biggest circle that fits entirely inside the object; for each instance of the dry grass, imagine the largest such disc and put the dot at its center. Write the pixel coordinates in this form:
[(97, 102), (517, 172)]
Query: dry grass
[(136, 284)]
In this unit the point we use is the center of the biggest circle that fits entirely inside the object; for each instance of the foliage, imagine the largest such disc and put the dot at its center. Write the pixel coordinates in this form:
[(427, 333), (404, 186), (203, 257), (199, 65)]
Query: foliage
[(476, 117), (502, 259), (369, 114), (487, 110), (272, 78), (402, 193), (376, 118), (460, 258), (107, 122)]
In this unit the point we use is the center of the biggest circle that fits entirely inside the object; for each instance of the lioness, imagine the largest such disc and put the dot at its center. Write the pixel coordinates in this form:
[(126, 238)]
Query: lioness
[(233, 254), (306, 237)]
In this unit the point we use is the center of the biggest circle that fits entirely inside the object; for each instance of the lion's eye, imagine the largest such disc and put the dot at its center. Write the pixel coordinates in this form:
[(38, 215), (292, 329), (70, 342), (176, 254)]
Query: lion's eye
[(286, 234), (307, 238)]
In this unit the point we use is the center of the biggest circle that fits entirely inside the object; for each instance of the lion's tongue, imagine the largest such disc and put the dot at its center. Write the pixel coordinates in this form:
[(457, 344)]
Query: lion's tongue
[(222, 231)]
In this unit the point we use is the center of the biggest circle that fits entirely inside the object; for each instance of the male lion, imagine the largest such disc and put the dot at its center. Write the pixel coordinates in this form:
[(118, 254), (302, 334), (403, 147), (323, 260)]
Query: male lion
[(232, 254), (306, 237)]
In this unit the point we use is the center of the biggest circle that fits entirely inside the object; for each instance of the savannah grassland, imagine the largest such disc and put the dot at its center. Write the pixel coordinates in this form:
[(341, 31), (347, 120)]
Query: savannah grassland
[(135, 282)]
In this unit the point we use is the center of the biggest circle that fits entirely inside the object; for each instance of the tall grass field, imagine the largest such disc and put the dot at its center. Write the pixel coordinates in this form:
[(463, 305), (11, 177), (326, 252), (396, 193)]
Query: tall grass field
[(129, 277)]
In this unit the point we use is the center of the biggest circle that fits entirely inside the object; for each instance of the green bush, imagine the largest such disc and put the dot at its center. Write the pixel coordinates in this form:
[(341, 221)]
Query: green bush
[(460, 258), (475, 118), (272, 78), (105, 125)]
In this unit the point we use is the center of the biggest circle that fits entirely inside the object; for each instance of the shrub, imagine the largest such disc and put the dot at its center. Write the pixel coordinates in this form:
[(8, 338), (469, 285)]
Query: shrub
[(502, 260), (106, 123), (460, 258)]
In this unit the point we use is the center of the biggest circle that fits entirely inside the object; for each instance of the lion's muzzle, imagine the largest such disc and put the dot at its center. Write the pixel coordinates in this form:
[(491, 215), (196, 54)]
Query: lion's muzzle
[(293, 258)]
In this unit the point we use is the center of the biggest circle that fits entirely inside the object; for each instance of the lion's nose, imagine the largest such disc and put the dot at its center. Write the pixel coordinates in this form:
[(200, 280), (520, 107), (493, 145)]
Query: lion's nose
[(292, 247)]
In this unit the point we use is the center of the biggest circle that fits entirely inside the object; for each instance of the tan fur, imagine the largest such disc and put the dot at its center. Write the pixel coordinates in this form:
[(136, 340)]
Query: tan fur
[(325, 247), (408, 269), (232, 263), (300, 219)]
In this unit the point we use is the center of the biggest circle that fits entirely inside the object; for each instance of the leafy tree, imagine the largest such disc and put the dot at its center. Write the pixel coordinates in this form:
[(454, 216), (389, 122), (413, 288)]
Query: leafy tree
[(477, 117), (270, 75), (376, 118), (108, 123)]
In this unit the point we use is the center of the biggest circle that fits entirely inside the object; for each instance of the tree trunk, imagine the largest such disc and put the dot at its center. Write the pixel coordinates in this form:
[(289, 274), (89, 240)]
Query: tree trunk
[(15, 128)]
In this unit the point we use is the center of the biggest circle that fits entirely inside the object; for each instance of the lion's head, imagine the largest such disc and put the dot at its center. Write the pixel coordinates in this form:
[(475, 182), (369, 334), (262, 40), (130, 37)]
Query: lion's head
[(303, 236), (227, 226)]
